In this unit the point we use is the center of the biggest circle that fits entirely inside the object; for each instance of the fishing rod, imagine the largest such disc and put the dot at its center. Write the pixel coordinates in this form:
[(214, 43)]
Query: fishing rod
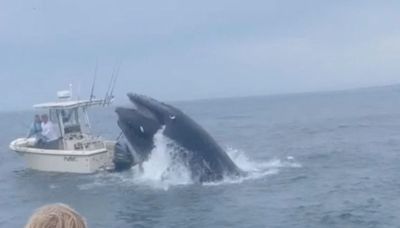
[(115, 80), (94, 82), (111, 86)]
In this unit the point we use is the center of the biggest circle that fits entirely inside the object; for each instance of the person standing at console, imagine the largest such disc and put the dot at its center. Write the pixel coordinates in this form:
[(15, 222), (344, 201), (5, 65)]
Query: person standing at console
[(49, 132)]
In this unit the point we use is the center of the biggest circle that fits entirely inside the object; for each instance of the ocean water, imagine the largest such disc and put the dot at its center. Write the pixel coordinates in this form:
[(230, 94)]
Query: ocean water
[(315, 160)]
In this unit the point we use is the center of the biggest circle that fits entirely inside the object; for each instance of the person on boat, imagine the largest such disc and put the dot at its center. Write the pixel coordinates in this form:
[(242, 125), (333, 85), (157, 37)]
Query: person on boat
[(36, 127), (48, 137)]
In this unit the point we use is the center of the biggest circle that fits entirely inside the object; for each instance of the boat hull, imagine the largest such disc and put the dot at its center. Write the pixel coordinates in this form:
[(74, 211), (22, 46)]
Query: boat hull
[(83, 162)]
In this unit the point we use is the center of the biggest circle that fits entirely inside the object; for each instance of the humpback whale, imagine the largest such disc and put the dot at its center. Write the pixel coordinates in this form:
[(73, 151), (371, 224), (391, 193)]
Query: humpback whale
[(206, 160)]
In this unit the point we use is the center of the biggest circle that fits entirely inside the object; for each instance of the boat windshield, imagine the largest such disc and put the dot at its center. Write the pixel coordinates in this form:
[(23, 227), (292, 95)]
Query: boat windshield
[(54, 119), (70, 121)]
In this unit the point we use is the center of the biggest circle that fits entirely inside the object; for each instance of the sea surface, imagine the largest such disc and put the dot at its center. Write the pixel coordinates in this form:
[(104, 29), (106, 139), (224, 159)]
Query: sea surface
[(314, 160)]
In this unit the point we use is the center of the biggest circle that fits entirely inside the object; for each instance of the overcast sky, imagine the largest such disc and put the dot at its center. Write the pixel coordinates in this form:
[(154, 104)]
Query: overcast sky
[(180, 49)]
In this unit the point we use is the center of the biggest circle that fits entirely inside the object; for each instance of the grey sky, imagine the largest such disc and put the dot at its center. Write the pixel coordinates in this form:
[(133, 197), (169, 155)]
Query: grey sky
[(178, 50)]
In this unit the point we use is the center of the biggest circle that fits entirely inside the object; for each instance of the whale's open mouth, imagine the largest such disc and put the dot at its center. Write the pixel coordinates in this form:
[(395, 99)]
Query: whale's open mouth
[(139, 123), (206, 160)]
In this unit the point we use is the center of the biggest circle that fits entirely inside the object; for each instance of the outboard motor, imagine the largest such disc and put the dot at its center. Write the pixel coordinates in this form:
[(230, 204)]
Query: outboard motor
[(123, 158)]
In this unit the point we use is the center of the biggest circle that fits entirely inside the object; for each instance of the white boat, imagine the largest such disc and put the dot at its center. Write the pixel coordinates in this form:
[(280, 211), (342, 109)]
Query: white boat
[(76, 150)]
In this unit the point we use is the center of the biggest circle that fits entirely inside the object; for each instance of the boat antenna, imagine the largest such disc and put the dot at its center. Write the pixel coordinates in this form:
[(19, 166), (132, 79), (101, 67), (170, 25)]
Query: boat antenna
[(70, 90), (93, 83)]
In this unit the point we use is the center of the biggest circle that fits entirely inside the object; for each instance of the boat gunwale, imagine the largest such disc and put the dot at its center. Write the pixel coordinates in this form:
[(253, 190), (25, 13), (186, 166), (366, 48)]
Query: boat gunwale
[(39, 151)]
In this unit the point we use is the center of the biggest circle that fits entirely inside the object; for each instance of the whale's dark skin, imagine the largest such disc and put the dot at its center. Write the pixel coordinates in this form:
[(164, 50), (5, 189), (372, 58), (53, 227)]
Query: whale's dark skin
[(206, 160)]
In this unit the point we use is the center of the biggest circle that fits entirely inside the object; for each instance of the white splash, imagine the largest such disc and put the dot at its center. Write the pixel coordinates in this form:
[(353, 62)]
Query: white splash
[(165, 169), (255, 169)]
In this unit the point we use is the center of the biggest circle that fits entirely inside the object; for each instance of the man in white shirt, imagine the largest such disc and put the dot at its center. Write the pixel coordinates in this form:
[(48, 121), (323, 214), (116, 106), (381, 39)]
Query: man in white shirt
[(49, 132)]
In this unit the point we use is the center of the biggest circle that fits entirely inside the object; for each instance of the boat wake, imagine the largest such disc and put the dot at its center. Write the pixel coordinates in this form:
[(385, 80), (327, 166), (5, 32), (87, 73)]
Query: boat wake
[(165, 168)]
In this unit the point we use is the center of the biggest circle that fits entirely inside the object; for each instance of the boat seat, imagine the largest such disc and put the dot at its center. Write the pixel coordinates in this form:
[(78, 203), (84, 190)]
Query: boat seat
[(52, 145)]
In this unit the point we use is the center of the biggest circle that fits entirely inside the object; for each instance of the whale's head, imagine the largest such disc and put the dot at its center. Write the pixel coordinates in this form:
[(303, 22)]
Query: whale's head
[(164, 113), (141, 122)]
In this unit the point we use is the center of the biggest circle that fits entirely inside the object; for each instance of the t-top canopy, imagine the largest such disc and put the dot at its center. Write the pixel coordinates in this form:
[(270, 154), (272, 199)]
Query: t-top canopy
[(69, 104)]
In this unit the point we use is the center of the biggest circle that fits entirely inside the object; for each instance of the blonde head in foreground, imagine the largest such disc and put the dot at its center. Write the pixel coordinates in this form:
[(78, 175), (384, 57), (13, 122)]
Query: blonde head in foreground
[(56, 216)]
